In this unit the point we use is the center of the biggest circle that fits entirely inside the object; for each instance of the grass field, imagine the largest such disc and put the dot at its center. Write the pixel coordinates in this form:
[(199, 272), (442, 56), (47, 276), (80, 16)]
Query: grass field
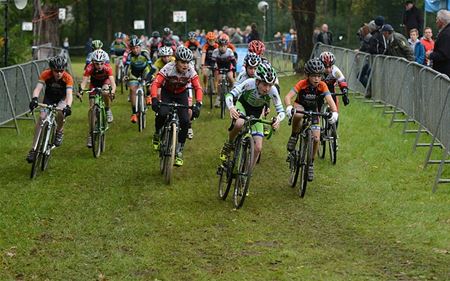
[(370, 217)]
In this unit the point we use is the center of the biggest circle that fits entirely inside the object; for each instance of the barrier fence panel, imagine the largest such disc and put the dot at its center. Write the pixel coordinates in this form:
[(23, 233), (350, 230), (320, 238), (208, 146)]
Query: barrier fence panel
[(419, 92)]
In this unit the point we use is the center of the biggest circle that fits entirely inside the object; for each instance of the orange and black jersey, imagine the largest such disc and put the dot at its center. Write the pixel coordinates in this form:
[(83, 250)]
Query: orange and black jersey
[(208, 50), (55, 90), (193, 46), (308, 95)]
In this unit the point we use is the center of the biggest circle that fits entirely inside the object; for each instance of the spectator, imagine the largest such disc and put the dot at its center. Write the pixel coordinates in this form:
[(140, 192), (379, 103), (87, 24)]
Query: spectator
[(364, 37), (440, 55), (246, 33), (412, 18), (293, 33), (417, 47), (316, 33), (254, 34), (325, 36), (66, 44), (235, 38), (396, 43), (88, 47), (427, 42), (287, 42), (377, 43)]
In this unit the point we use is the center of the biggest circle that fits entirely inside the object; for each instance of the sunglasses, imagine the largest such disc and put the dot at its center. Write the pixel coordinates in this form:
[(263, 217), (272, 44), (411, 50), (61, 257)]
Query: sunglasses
[(58, 70), (99, 63)]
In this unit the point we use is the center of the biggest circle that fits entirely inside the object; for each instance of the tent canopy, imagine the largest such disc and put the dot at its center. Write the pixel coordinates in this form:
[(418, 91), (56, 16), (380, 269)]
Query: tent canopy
[(435, 5)]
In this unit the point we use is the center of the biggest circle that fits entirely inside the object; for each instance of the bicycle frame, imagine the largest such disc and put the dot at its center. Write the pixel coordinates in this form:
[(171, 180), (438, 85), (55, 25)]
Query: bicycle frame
[(98, 101)]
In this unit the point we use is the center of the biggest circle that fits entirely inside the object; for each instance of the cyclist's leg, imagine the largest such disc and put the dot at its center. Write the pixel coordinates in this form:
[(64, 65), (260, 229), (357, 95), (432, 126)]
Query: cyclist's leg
[(236, 125), (297, 120), (190, 102), (37, 127), (216, 88), (230, 79), (257, 148), (133, 85), (205, 77), (316, 136), (60, 116)]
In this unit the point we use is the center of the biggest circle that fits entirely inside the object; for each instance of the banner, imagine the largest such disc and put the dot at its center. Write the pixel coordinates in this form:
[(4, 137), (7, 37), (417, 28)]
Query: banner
[(433, 6)]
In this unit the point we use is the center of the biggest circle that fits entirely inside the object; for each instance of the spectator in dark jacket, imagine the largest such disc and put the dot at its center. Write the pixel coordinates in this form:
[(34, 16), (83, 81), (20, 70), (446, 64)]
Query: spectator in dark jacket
[(377, 45), (396, 43), (440, 56), (416, 46), (364, 38), (254, 34), (412, 18), (325, 36)]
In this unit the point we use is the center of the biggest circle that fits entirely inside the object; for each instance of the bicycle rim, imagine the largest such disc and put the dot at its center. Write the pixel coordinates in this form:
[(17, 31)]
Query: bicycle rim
[(244, 172), (170, 155), (306, 153), (96, 130), (210, 92), (162, 149), (323, 137), (333, 144), (225, 178), (222, 101), (39, 149), (294, 165), (103, 142), (47, 149)]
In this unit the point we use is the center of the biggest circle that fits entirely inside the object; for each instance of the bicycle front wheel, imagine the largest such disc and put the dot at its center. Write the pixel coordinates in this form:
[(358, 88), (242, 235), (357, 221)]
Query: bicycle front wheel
[(243, 167), (47, 150), (323, 137), (333, 143), (294, 165), (141, 112), (305, 160), (225, 178), (170, 153), (210, 91), (222, 92), (162, 149), (40, 147), (96, 130)]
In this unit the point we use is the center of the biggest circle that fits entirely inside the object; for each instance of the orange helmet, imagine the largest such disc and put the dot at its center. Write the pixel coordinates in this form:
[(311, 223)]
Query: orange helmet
[(210, 36), (256, 47)]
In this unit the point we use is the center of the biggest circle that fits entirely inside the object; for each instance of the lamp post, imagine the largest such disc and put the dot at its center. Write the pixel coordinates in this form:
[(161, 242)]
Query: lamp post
[(263, 6), (20, 4)]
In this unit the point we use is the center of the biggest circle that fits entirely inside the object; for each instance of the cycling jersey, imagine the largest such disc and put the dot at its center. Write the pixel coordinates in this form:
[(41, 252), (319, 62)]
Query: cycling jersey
[(193, 46), (223, 60), (208, 50), (55, 90), (159, 63), (168, 42), (242, 76), (171, 81), (118, 49), (152, 45), (308, 96), (139, 65), (247, 94), (335, 76), (98, 77)]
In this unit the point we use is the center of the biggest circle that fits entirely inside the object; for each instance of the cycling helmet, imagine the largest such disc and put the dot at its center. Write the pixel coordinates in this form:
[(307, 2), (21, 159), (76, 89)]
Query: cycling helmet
[(224, 36), (314, 66), (165, 51), (252, 59), (210, 36), (327, 58), (97, 44), (191, 35), (99, 56), (58, 63), (118, 35), (184, 54), (222, 42), (167, 31), (266, 73), (257, 47), (155, 34), (135, 42), (133, 36)]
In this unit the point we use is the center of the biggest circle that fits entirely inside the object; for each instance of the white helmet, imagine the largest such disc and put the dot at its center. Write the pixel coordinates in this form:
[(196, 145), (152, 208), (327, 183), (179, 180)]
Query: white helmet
[(99, 56), (165, 51)]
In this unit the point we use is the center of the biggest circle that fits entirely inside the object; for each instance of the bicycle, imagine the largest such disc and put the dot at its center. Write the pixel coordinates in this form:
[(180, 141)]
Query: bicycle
[(328, 133), (120, 71), (140, 105), (46, 139), (300, 159), (210, 86), (239, 165), (169, 140), (223, 90), (97, 120)]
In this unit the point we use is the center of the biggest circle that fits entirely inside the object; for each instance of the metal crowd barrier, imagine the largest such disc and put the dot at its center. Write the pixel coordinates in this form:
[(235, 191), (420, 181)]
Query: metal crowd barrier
[(402, 88), (16, 88)]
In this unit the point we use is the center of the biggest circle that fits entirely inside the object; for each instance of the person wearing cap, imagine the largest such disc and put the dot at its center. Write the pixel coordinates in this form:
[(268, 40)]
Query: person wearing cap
[(440, 55), (412, 18), (396, 43)]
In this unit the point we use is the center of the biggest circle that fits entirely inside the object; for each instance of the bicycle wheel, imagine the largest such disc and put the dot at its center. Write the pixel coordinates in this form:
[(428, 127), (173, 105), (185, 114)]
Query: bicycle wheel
[(306, 160), (222, 92), (244, 171), (323, 134), (39, 148), (170, 155), (140, 112), (47, 149), (225, 178), (163, 148), (333, 143), (210, 91), (96, 130), (294, 164)]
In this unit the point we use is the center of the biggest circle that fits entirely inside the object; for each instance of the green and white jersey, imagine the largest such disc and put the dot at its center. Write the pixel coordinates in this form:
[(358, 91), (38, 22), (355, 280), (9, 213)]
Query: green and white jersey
[(247, 94)]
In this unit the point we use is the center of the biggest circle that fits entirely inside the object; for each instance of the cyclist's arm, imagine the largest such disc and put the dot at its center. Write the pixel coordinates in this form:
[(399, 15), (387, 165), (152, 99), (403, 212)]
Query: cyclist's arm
[(84, 82), (37, 90), (69, 89), (203, 57), (289, 96), (278, 104), (113, 84), (157, 84), (330, 102), (236, 92), (198, 89)]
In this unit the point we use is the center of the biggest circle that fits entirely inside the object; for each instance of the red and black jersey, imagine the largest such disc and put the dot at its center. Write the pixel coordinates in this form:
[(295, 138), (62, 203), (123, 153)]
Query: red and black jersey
[(98, 75), (208, 50)]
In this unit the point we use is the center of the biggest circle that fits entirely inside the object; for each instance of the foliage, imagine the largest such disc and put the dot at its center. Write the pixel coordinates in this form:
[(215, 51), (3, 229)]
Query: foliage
[(370, 217)]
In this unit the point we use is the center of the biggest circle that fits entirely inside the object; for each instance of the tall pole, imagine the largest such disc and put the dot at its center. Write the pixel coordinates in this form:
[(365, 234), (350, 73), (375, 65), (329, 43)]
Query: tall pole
[(6, 35)]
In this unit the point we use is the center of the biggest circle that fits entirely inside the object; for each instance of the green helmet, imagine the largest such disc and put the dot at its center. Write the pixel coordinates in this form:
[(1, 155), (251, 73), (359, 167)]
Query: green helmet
[(266, 73), (97, 44)]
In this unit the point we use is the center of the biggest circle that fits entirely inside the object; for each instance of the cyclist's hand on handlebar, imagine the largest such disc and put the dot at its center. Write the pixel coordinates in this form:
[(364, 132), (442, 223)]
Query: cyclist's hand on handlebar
[(112, 95), (125, 78), (334, 117), (234, 113), (33, 103), (155, 104), (289, 111), (196, 110), (345, 100), (276, 123), (67, 111)]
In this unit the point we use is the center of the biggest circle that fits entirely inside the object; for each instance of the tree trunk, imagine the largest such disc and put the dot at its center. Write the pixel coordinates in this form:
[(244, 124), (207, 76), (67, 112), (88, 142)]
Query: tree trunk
[(46, 24), (304, 14), (90, 18), (109, 27), (149, 26)]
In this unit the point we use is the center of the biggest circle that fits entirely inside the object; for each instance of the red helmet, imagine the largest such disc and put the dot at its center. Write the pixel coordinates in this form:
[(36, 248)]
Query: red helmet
[(210, 36), (327, 58), (256, 47)]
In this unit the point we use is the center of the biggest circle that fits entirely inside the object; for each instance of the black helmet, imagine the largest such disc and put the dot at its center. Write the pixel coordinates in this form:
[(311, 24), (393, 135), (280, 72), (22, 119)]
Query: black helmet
[(191, 35), (135, 42), (58, 62), (167, 31), (314, 66), (252, 60), (155, 34)]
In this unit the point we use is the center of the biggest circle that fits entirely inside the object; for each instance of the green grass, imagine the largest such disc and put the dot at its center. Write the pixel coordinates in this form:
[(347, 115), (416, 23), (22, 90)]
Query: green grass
[(370, 217)]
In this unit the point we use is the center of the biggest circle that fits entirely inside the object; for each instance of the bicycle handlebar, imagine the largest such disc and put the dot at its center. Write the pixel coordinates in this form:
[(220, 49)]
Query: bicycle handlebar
[(308, 113), (253, 119), (174, 105)]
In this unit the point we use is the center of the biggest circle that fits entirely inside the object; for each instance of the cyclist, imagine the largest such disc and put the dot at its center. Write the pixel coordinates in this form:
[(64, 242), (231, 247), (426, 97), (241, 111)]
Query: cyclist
[(251, 62), (138, 64), (165, 55), (258, 48), (223, 58), (207, 51), (307, 93), (153, 43), (173, 80), (252, 96), (332, 76), (167, 39), (96, 45), (230, 45), (101, 75), (58, 90), (118, 48), (193, 44)]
